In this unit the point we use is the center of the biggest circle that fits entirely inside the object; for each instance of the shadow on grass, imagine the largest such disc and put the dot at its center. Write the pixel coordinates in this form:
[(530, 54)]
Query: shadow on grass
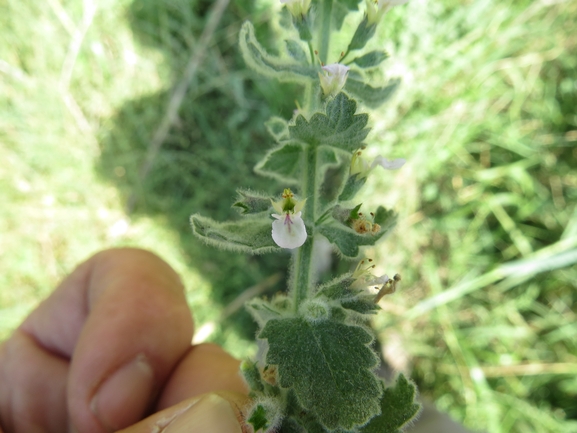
[(209, 151)]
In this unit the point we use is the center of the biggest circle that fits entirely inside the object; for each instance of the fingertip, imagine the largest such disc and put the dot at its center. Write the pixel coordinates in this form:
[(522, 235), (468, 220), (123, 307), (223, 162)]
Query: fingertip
[(215, 412), (125, 396), (205, 368)]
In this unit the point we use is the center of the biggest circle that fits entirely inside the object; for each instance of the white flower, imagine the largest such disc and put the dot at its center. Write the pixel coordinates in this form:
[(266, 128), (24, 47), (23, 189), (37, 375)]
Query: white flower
[(362, 168), (333, 79), (288, 231), (297, 7), (376, 9)]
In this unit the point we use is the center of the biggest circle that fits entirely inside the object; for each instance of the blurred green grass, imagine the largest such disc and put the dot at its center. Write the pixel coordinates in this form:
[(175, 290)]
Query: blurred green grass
[(486, 117)]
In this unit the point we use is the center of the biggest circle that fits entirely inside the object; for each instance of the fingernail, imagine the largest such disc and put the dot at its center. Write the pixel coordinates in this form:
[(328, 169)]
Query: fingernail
[(124, 397), (210, 414)]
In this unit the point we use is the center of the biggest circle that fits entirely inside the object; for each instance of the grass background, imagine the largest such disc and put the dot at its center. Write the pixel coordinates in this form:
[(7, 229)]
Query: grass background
[(487, 240)]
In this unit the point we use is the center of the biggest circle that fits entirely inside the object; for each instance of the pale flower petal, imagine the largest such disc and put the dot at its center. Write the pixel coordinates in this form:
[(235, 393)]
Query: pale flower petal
[(388, 165), (289, 231), (334, 78), (378, 280)]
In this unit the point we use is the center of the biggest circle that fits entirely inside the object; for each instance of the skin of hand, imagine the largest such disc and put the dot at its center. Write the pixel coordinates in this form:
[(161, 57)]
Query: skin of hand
[(110, 349)]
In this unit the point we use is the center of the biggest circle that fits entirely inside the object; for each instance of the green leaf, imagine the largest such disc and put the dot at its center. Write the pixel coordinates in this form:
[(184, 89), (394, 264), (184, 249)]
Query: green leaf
[(249, 235), (329, 159), (362, 304), (352, 187), (398, 408), (252, 376), (302, 26), (251, 202), (296, 51), (283, 163), (385, 218), (371, 59), (332, 184), (340, 290), (262, 311), (258, 418), (348, 241), (371, 96), (328, 366), (297, 419), (364, 32), (278, 128), (283, 69), (340, 127)]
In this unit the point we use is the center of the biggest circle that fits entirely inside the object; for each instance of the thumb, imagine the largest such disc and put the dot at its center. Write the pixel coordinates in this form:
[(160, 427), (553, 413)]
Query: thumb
[(215, 412)]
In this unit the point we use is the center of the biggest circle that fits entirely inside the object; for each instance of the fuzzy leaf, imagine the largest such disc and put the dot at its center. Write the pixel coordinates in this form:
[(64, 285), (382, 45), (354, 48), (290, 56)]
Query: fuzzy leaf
[(363, 304), (252, 376), (371, 96), (342, 8), (302, 26), (371, 59), (330, 170), (364, 32), (328, 365), (296, 51), (283, 69), (352, 186), (250, 202), (283, 163), (332, 184), (249, 235), (340, 127), (278, 128), (299, 420), (398, 407), (340, 290), (258, 419), (348, 241), (262, 311)]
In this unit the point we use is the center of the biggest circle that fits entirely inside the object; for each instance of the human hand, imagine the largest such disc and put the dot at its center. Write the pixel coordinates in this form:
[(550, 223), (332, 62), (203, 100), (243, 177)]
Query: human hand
[(111, 345)]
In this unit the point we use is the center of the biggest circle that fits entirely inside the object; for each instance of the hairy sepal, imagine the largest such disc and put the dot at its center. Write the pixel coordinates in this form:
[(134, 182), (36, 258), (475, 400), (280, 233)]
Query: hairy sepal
[(347, 241), (340, 291)]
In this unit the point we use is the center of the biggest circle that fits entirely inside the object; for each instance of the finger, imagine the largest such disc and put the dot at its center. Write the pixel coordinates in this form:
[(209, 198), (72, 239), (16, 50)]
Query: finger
[(205, 368), (220, 412), (122, 319), (20, 410)]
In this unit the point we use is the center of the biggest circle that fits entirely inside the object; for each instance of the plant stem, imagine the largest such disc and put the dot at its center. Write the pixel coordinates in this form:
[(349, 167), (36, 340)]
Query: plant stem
[(325, 30), (301, 272)]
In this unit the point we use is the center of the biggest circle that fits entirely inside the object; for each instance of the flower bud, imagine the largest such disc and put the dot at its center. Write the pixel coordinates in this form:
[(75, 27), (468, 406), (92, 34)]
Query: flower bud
[(333, 78)]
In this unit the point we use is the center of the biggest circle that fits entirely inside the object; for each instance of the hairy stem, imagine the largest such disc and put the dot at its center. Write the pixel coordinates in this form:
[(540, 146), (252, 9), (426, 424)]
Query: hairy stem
[(302, 259), (325, 30)]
